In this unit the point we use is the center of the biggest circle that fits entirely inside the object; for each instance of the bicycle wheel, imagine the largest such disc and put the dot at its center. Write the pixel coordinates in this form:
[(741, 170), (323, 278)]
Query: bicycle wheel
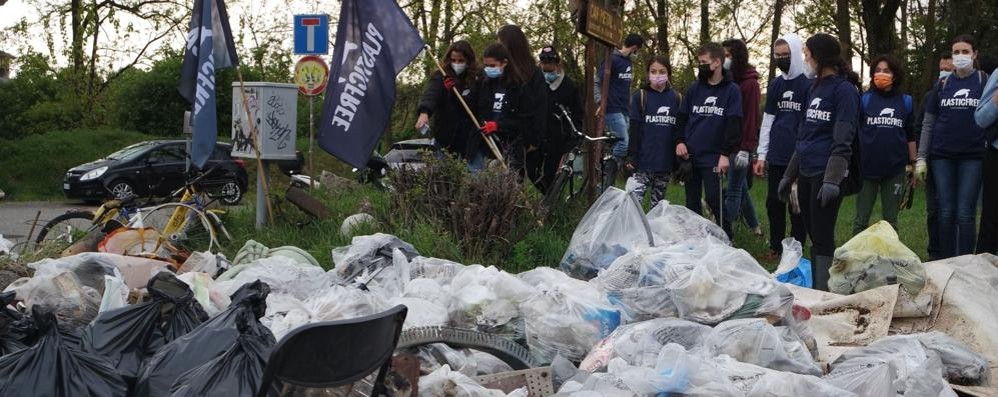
[(556, 191), (181, 225), (518, 357), (64, 230)]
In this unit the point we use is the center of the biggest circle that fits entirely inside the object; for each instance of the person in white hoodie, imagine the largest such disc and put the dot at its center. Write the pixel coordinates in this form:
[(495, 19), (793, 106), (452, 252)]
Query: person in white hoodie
[(784, 110)]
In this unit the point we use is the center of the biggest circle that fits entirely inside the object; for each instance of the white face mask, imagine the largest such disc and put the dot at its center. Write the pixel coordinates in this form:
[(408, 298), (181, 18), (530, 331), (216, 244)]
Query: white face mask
[(809, 70), (727, 63), (963, 61), (459, 68)]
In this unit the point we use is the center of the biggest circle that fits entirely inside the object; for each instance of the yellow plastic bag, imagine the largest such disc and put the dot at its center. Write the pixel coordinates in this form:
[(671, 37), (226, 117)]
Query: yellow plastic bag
[(874, 258)]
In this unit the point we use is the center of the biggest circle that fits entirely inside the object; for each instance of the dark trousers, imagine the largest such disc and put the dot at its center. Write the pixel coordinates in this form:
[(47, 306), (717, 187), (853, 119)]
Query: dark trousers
[(987, 239), (777, 211), (820, 220), (704, 182), (541, 167), (932, 217)]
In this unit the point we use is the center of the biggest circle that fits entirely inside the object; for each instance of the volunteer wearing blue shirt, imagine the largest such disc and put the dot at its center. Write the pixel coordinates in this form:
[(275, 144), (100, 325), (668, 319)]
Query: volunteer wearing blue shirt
[(922, 172), (824, 151), (986, 116), (953, 147), (886, 141), (618, 107), (712, 114), (652, 150), (784, 110)]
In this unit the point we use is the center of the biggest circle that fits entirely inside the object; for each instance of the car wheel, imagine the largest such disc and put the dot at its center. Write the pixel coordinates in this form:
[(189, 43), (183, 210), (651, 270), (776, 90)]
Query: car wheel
[(120, 189), (232, 193)]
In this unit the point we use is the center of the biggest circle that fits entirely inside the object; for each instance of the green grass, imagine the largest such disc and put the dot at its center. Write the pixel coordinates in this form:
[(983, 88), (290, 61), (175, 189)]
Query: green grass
[(32, 168)]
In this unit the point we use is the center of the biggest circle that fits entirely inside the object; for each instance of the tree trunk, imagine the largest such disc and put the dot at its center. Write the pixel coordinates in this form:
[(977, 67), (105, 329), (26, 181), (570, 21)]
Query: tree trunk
[(662, 20), (842, 25), (431, 37), (929, 70), (878, 22), (704, 21), (76, 17), (448, 22), (777, 22)]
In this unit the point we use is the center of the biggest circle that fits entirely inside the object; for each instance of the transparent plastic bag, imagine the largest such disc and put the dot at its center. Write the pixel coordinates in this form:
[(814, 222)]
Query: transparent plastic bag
[(285, 312), (755, 341), (368, 253), (873, 258), (637, 282), (71, 288), (673, 372), (962, 366), (726, 284), (638, 344), (488, 299), (613, 226), (115, 294), (284, 275), (790, 384), (913, 369), (447, 382), (675, 223), (440, 270), (566, 317)]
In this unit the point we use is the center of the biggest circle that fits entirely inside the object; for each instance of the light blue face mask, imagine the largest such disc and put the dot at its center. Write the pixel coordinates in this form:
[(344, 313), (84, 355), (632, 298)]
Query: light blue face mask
[(493, 72), (550, 76), (944, 74)]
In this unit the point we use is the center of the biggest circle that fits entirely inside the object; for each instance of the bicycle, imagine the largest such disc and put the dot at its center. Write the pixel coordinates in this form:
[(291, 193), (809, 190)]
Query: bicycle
[(187, 224), (570, 170)]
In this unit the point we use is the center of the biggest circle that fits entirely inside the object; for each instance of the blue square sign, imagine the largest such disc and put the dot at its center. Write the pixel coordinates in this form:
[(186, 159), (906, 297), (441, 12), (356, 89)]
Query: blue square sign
[(312, 34)]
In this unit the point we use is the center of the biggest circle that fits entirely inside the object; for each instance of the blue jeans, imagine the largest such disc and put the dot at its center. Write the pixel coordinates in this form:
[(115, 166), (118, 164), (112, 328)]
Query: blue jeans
[(736, 199), (618, 123), (958, 184)]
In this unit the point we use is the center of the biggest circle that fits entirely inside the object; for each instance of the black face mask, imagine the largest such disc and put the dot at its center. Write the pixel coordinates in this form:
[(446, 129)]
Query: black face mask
[(783, 64), (704, 72)]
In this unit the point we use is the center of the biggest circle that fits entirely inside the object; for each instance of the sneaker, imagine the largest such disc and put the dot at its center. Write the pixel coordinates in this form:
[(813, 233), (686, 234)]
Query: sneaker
[(757, 231)]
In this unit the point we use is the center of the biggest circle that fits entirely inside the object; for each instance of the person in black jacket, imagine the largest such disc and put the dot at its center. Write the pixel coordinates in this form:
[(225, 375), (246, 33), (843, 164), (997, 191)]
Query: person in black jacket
[(533, 92), (543, 164), (451, 124), (508, 108)]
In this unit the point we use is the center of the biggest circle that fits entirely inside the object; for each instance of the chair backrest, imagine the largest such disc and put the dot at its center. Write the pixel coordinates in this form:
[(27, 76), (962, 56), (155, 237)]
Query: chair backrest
[(335, 353)]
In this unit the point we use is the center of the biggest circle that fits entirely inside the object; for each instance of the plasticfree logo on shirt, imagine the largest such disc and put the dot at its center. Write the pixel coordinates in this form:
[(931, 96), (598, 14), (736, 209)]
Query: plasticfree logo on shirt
[(788, 104), (497, 104), (661, 117), (814, 114), (961, 99), (627, 74), (885, 119), (709, 107)]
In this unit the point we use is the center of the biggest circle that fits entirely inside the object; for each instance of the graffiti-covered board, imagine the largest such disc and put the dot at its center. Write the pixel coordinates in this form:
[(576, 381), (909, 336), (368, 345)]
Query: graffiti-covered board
[(273, 109)]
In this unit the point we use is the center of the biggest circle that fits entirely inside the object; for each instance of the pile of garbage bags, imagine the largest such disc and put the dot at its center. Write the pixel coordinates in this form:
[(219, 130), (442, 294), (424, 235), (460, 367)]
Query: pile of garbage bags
[(643, 304)]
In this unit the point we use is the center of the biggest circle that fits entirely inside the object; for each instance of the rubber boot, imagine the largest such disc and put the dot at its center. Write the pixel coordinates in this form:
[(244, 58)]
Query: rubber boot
[(819, 272)]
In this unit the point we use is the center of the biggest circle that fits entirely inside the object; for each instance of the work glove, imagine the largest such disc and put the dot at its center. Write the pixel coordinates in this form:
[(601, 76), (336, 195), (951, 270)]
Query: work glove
[(490, 127), (742, 160), (921, 170), (789, 177), (827, 193), (450, 83)]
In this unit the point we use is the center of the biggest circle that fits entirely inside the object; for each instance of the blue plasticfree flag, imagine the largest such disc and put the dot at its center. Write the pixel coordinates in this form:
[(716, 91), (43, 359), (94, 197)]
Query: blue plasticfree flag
[(374, 41), (209, 48)]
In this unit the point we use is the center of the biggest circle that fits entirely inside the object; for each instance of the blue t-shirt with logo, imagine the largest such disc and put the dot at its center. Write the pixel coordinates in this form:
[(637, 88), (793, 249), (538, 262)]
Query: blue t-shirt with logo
[(831, 100), (883, 140), (658, 129), (955, 133), (621, 74), (708, 109), (785, 101)]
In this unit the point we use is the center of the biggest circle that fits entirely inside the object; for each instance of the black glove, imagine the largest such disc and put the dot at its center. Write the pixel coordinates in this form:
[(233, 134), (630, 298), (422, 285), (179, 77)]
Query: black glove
[(789, 177), (683, 171), (827, 193)]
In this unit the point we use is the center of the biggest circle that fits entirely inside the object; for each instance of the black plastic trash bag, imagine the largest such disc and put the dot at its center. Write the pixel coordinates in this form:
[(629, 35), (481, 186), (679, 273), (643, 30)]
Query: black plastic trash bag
[(129, 335), (16, 329), (237, 372), (52, 368), (207, 342)]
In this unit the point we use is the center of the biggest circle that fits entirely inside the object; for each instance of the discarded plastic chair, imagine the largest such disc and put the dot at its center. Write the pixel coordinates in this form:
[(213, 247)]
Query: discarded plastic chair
[(336, 353)]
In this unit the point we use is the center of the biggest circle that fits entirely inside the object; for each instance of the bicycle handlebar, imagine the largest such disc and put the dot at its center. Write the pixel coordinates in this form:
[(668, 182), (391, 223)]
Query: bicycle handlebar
[(610, 136), (194, 181)]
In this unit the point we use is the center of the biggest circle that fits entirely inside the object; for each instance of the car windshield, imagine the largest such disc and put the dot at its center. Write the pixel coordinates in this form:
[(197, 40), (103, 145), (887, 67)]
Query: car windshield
[(129, 151)]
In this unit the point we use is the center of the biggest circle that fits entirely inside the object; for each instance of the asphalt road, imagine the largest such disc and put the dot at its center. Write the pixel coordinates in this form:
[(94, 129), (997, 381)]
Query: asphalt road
[(16, 217)]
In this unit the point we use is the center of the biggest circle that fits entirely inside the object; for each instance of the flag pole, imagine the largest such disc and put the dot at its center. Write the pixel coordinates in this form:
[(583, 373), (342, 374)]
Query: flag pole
[(488, 139), (262, 179)]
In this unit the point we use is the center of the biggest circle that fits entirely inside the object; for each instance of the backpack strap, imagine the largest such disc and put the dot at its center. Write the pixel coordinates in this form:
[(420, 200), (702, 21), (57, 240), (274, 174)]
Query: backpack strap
[(643, 102)]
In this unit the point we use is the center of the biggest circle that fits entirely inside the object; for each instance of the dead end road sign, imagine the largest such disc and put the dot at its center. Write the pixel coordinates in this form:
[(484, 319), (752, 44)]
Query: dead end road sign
[(312, 34)]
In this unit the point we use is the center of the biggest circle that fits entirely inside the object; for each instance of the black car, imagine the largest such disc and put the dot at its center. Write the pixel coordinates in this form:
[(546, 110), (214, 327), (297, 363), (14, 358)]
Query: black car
[(154, 169)]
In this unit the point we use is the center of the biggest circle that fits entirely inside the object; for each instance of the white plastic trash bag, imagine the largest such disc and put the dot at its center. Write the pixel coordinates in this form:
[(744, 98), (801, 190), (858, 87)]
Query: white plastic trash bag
[(446, 382), (675, 223), (755, 341), (488, 299), (612, 227), (282, 274), (639, 344)]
